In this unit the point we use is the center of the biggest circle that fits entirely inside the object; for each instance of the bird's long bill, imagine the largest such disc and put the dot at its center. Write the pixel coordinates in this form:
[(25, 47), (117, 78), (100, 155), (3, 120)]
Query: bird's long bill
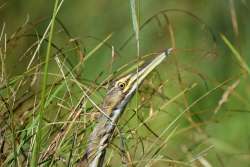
[(139, 75)]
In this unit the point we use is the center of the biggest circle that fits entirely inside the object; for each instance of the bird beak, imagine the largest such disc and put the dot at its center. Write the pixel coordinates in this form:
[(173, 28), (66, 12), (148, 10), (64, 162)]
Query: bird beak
[(142, 72)]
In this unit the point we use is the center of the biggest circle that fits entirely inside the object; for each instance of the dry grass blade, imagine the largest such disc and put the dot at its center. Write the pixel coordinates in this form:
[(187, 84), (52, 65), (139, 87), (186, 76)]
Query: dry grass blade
[(183, 112), (226, 95), (234, 17), (177, 117)]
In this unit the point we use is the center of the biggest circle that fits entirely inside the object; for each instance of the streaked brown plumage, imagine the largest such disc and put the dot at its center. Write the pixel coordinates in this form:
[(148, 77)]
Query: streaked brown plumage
[(113, 105)]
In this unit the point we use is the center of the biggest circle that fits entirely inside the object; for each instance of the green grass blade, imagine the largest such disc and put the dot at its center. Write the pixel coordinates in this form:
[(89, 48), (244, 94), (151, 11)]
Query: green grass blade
[(237, 55), (97, 47), (38, 137)]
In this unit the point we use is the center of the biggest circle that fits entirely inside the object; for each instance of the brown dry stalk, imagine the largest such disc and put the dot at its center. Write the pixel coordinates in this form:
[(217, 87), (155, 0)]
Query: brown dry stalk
[(226, 95)]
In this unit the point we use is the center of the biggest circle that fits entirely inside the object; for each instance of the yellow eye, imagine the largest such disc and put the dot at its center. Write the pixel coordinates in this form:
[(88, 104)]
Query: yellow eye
[(121, 85)]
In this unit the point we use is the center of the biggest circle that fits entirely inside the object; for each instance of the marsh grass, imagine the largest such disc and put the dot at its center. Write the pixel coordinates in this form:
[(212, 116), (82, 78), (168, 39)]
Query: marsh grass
[(49, 109), (39, 124)]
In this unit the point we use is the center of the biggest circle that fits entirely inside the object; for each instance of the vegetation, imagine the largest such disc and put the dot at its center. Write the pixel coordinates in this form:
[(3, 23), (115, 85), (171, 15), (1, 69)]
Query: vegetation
[(58, 57)]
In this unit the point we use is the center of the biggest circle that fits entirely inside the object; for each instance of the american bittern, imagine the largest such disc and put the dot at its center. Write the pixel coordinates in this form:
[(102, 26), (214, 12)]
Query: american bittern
[(118, 96)]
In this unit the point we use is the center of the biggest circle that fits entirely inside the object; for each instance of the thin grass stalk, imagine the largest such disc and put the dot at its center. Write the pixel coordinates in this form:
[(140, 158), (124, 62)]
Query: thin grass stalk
[(236, 54), (136, 28), (38, 137)]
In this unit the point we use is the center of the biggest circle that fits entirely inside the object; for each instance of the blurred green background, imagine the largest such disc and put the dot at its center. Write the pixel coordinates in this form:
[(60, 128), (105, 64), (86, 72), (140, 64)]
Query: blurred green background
[(214, 131)]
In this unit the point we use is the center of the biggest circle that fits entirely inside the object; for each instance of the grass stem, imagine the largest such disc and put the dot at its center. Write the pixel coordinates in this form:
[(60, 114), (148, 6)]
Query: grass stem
[(38, 138)]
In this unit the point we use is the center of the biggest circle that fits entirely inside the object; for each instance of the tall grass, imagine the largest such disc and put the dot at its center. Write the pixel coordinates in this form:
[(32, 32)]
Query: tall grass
[(193, 110), (39, 125)]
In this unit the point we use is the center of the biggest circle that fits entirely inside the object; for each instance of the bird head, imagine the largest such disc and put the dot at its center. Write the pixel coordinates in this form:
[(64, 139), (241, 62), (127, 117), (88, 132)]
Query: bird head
[(122, 90)]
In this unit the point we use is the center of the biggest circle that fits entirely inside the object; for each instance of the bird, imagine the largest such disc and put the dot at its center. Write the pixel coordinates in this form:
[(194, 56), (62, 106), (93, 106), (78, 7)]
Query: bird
[(119, 94)]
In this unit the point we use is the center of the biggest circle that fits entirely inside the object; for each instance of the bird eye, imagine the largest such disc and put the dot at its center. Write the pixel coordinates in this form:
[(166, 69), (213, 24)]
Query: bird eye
[(121, 85)]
